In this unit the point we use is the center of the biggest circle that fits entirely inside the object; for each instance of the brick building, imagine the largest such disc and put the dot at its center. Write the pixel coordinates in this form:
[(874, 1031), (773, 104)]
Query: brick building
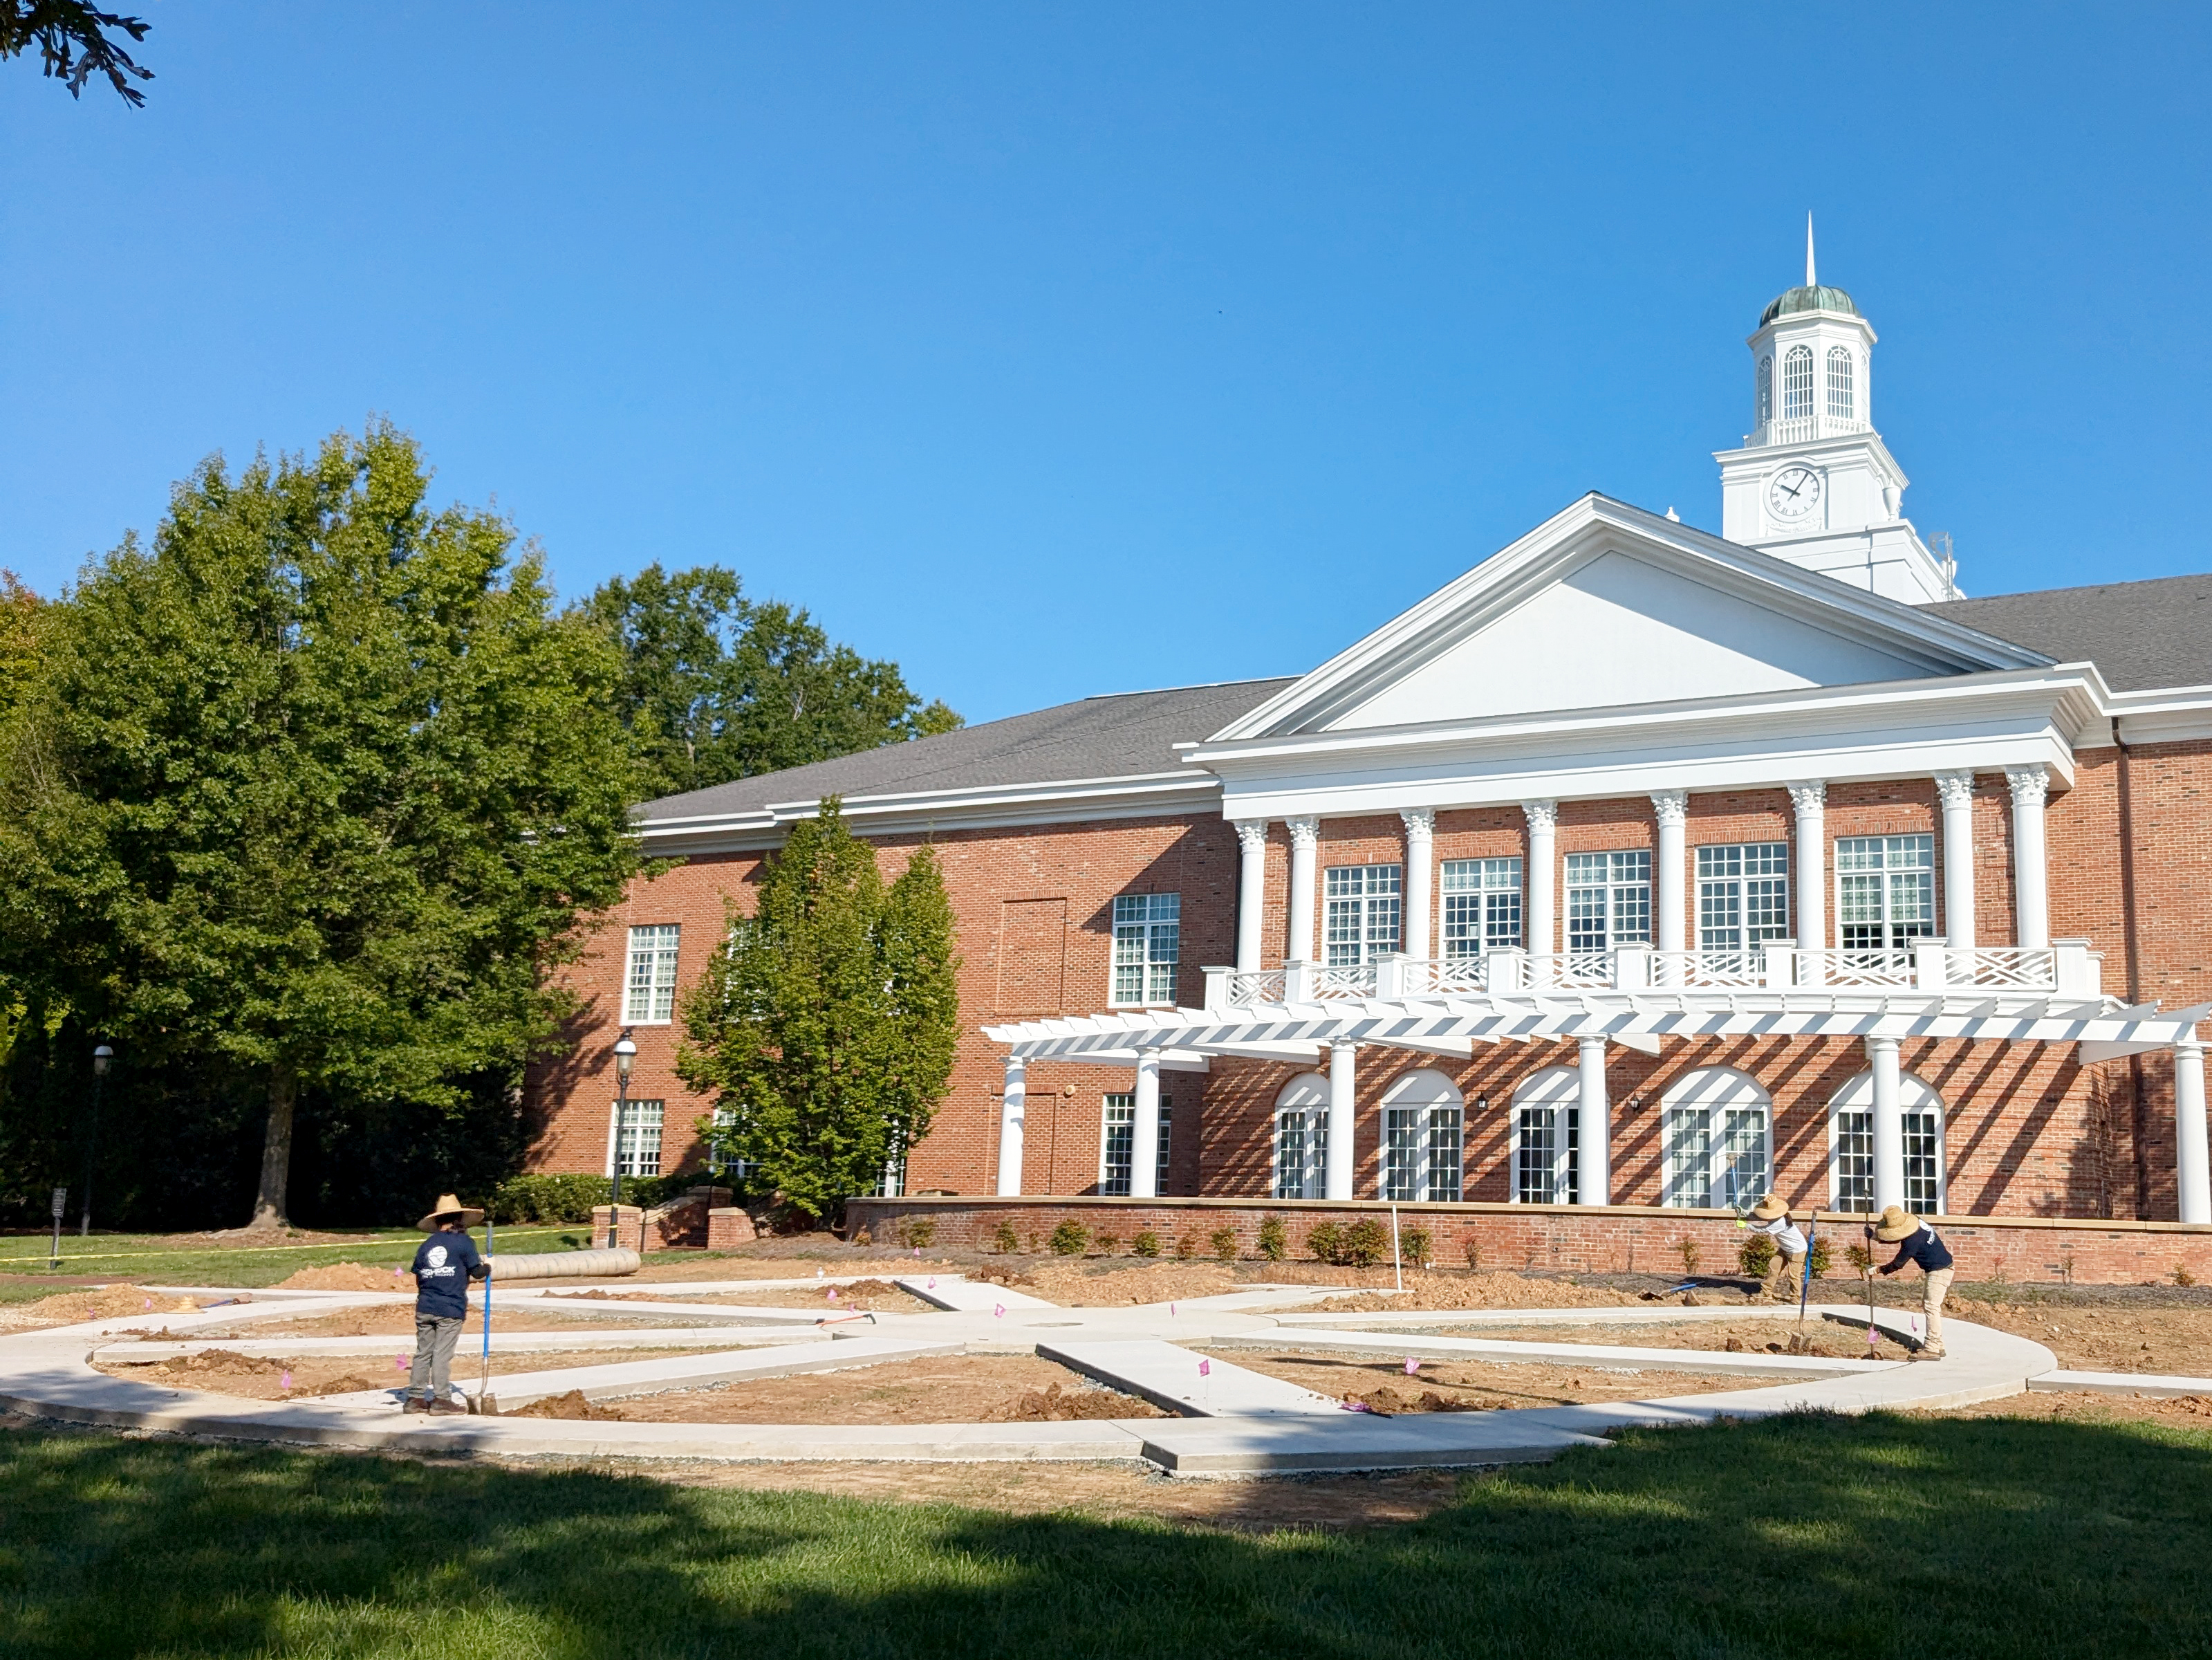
[(1637, 867)]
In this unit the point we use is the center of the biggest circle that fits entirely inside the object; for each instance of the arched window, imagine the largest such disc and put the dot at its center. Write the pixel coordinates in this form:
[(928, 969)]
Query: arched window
[(1851, 1145), (1717, 1124), (1423, 1139), (1546, 1137), (1839, 384), (1765, 390), (1302, 1137), (1797, 384)]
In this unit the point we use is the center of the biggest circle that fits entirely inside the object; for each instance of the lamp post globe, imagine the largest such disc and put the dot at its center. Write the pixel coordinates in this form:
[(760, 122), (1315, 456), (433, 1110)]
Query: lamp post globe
[(625, 1058)]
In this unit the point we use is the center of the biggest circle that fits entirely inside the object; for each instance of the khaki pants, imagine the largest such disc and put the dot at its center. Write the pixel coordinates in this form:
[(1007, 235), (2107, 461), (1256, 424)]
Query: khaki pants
[(1784, 1275), (436, 1336), (1931, 1305)]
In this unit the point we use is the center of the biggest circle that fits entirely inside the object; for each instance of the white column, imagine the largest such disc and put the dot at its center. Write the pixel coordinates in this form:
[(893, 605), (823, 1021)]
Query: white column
[(1251, 891), (1809, 798), (1671, 917), (1888, 1124), (1305, 837), (1542, 876), (2192, 1173), (1420, 860), (1145, 1132), (1956, 791), (1011, 1113), (2030, 877), (1594, 1125), (1336, 1173)]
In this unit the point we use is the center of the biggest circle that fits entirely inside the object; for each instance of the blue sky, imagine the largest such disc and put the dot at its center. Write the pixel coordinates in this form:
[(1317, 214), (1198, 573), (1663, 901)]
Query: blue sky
[(1057, 349)]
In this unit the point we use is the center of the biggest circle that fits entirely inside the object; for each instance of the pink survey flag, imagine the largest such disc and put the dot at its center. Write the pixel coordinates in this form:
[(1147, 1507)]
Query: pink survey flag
[(933, 1282), (285, 1381), (398, 1363), (1412, 1365), (1205, 1369), (833, 1293), (998, 1309)]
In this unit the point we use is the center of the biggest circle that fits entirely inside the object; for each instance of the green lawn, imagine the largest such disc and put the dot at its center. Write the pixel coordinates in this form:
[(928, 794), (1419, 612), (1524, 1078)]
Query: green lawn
[(197, 1259), (1879, 1536)]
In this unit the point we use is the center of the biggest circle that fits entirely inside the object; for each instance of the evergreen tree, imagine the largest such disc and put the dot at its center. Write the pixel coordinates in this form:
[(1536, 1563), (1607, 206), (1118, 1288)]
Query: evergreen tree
[(825, 1028), (317, 788)]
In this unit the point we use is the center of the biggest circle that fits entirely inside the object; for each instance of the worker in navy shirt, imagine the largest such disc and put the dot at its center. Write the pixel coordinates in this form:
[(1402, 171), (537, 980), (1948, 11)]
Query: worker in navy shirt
[(444, 1265), (1918, 1243)]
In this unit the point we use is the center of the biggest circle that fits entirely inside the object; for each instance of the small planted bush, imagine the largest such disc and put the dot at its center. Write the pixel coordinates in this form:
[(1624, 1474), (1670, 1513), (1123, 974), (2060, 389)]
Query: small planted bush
[(1004, 1239), (1274, 1238), (1473, 1253), (1069, 1238), (1859, 1257), (1107, 1244), (1363, 1244), (1186, 1245), (1821, 1260), (1756, 1255), (1324, 1242), (1688, 1247), (1147, 1243), (1414, 1244), (917, 1232), (1224, 1243)]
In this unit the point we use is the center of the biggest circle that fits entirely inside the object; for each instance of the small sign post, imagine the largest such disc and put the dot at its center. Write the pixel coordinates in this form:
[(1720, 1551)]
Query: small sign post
[(61, 1206)]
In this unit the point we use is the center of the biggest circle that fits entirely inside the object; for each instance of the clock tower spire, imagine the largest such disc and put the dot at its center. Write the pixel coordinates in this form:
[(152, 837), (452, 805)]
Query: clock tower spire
[(1813, 484)]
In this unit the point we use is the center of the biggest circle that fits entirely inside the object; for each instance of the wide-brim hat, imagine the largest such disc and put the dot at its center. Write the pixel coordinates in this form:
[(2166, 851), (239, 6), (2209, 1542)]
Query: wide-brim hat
[(1897, 1223), (1769, 1209), (449, 1205)]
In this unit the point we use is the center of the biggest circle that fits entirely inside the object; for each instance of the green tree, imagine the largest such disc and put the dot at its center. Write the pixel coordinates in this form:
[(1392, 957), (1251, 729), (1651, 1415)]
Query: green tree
[(825, 1028), (318, 787), (717, 687), (73, 43)]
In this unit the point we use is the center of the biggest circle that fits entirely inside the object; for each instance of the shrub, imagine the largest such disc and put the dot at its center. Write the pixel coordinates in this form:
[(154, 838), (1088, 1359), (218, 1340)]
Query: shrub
[(1756, 1254), (917, 1232), (1274, 1238), (1473, 1253), (2182, 1276), (1108, 1244), (1822, 1261), (1224, 1243), (1186, 1245), (1069, 1238), (1147, 1243), (1859, 1257), (570, 1198), (1323, 1242), (1415, 1246), (1688, 1247), (1363, 1244), (1003, 1239)]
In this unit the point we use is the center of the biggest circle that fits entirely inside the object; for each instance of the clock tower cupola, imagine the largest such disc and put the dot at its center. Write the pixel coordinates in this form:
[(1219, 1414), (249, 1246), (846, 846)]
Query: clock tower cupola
[(1813, 484)]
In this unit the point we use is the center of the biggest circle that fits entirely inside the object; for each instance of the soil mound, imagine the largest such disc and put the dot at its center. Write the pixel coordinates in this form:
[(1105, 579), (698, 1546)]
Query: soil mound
[(226, 1363), (1479, 1291), (571, 1406), (1388, 1402), (1159, 1282), (99, 1303), (345, 1276), (1054, 1405)]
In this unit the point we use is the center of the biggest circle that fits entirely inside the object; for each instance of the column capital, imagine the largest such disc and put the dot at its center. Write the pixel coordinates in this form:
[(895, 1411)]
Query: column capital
[(1420, 822), (1251, 833), (1808, 797), (2031, 784), (1541, 815), (1305, 832), (1955, 789), (1584, 1045), (1672, 807), (1881, 1046)]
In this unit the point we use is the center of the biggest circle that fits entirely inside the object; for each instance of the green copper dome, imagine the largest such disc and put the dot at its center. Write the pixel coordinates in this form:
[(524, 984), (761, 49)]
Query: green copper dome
[(1809, 299)]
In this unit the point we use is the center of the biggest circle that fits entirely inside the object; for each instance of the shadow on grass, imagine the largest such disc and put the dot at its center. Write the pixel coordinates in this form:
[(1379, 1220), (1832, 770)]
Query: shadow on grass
[(1875, 1536)]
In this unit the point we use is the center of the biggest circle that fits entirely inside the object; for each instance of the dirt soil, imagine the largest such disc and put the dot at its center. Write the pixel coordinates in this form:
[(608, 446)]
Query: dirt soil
[(1820, 1337), (868, 1296), (1484, 1291), (954, 1389), (2191, 1412), (2104, 1339), (262, 1378), (347, 1276), (1478, 1387), (397, 1320), (71, 1308)]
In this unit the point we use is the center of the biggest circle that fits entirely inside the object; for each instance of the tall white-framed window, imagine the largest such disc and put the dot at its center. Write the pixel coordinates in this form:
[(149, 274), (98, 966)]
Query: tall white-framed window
[(1302, 1137), (1546, 1154), (1117, 1146), (1743, 896), (1885, 891), (1423, 1138), (1851, 1147), (1481, 904), (722, 1159), (1842, 398), (1360, 917), (649, 989), (1765, 390), (637, 1137), (1148, 945), (1608, 899), (1717, 1125), (1797, 384)]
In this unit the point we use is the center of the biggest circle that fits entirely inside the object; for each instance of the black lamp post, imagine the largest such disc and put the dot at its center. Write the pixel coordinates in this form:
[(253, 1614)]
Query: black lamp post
[(625, 1058), (101, 1057)]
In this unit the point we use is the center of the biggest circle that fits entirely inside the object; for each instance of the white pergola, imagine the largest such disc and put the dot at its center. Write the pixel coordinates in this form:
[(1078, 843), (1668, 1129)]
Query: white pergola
[(1297, 1033)]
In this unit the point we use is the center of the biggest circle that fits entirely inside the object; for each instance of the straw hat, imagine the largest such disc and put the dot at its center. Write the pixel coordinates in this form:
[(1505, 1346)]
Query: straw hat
[(1769, 1209), (447, 1204), (1895, 1224)]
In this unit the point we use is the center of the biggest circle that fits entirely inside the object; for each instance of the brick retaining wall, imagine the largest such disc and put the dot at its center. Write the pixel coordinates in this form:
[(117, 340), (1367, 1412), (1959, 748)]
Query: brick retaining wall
[(1589, 1239)]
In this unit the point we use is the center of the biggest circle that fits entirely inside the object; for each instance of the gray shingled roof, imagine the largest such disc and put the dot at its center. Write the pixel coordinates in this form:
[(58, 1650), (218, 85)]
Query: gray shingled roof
[(1115, 737), (2139, 634)]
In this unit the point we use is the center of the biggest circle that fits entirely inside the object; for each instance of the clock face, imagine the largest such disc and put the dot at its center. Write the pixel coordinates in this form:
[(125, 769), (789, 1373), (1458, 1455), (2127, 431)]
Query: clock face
[(1793, 493)]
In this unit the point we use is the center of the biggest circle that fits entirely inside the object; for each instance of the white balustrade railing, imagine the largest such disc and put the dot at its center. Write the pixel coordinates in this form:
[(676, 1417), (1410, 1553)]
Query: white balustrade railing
[(1741, 967), (1258, 986), (2003, 967), (1855, 966), (1571, 970), (1445, 975), (1340, 984), (1803, 430)]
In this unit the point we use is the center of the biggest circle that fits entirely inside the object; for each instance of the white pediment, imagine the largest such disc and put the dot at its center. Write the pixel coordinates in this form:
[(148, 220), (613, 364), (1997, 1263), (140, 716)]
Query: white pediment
[(1607, 606), (1618, 630)]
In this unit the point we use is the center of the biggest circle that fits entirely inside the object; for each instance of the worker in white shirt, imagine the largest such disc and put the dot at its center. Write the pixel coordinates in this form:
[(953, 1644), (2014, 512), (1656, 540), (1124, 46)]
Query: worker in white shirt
[(1771, 1216)]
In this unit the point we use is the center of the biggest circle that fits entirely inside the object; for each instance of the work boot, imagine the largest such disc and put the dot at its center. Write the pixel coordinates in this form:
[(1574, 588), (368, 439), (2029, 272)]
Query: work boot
[(1931, 1351), (415, 1403), (448, 1409)]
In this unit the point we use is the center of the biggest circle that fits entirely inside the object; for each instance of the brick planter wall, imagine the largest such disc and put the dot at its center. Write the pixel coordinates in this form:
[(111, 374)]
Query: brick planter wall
[(1579, 1238), (686, 1221)]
